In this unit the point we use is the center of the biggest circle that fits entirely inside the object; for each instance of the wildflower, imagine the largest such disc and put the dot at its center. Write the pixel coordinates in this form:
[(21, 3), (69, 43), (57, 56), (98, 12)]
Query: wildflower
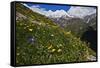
[(21, 24), (17, 61), (38, 28), (60, 44), (75, 38), (69, 32), (73, 45), (31, 39), (30, 29), (18, 54), (53, 50), (52, 35), (43, 31), (27, 26), (18, 48), (59, 50), (24, 27), (24, 53), (50, 47), (40, 23)]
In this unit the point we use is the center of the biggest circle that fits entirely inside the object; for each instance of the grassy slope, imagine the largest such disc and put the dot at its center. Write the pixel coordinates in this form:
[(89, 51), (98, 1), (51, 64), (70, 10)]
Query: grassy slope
[(51, 43)]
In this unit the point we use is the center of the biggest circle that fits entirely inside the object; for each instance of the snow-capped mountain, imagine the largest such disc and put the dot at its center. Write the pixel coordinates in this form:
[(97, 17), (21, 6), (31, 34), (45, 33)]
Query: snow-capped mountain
[(57, 14), (81, 12), (49, 13), (74, 11), (63, 18)]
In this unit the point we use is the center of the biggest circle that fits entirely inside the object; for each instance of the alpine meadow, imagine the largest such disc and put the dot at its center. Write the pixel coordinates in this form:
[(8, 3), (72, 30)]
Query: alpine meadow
[(46, 35)]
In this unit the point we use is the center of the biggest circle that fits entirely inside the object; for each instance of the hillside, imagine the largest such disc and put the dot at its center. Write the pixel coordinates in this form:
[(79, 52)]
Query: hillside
[(76, 25), (40, 41)]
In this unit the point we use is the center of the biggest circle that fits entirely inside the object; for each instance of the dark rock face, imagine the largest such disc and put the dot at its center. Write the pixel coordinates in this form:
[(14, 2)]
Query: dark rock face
[(90, 36)]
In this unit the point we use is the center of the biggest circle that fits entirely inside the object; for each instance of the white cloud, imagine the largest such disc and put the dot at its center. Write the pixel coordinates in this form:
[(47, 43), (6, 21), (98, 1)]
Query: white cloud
[(57, 13), (74, 11), (81, 11)]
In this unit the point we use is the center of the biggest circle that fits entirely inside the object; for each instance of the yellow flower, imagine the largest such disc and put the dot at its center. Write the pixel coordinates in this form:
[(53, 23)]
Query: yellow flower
[(69, 32), (21, 24), (17, 61), (40, 23), (18, 54), (53, 50), (73, 45), (30, 29), (18, 48), (59, 50), (50, 47), (24, 27), (52, 34), (27, 26), (60, 44)]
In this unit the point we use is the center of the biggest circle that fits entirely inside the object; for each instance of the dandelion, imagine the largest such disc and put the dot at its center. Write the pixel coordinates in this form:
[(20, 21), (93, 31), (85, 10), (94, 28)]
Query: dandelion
[(59, 50), (53, 50), (30, 29)]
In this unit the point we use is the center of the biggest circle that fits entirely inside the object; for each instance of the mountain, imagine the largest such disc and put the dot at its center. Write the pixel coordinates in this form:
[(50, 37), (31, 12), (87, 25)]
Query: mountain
[(81, 12), (91, 20), (57, 14), (39, 40), (74, 24), (77, 25)]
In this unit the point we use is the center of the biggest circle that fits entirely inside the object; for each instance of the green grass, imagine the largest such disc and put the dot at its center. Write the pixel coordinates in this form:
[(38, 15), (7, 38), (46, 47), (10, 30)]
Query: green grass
[(52, 44)]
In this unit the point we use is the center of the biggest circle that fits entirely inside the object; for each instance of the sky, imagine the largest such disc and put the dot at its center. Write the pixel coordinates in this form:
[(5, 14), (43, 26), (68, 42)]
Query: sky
[(51, 10), (51, 7)]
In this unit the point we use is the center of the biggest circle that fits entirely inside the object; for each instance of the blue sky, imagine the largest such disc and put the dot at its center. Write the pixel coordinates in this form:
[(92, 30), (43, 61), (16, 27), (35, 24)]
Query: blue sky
[(50, 6), (61, 10)]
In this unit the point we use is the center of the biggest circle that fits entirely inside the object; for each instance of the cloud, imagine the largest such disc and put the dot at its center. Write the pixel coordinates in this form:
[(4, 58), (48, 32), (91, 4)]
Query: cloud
[(57, 13), (74, 11), (49, 13), (81, 11)]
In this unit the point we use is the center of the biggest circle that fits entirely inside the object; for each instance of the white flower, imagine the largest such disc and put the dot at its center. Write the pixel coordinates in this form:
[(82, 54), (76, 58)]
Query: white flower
[(40, 23), (52, 34)]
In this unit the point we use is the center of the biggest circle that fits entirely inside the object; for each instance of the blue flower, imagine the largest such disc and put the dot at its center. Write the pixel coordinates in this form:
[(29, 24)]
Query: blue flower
[(31, 39)]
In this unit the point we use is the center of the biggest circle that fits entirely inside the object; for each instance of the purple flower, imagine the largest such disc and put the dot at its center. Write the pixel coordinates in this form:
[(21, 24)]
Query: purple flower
[(31, 39)]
